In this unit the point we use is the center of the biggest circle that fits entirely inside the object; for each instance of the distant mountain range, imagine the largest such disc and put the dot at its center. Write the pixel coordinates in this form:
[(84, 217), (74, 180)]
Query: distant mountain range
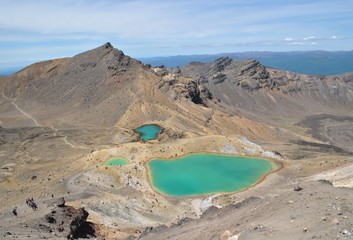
[(308, 62)]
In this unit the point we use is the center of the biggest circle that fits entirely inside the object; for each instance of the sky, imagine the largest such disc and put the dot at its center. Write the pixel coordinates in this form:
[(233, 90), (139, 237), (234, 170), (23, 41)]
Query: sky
[(37, 30)]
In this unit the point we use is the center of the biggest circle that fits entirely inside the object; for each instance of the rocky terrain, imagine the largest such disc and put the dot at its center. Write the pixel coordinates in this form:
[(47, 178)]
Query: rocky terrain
[(58, 220), (60, 120)]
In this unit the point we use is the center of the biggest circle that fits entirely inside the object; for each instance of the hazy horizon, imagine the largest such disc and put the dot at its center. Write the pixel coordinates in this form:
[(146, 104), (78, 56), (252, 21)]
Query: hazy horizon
[(333, 62)]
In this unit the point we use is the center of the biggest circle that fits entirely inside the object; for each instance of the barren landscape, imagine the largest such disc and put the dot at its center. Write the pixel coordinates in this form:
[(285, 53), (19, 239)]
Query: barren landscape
[(62, 119)]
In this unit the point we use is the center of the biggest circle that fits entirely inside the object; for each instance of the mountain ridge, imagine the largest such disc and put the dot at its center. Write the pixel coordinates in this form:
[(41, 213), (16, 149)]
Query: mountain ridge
[(248, 85), (318, 62), (71, 82), (305, 62), (62, 120)]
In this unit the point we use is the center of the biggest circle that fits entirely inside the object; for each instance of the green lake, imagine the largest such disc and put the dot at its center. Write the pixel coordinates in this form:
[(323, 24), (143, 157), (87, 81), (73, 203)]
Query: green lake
[(148, 132), (116, 161), (198, 174)]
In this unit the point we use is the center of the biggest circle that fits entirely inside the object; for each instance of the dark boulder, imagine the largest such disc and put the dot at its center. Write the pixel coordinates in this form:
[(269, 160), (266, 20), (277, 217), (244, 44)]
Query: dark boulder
[(68, 222)]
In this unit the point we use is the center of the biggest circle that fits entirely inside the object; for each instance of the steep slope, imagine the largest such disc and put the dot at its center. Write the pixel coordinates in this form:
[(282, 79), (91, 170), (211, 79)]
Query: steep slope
[(271, 94), (319, 107), (105, 88), (80, 90)]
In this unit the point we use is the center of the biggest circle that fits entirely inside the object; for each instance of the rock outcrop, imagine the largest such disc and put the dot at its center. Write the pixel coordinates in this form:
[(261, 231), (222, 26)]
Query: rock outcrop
[(251, 75), (66, 221), (249, 86)]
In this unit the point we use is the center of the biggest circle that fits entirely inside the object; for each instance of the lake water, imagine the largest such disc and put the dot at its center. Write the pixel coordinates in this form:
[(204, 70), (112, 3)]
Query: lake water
[(116, 161), (199, 174), (148, 132)]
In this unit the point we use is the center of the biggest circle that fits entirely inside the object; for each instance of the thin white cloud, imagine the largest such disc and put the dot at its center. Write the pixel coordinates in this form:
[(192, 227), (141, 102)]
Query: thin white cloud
[(312, 40), (147, 28), (296, 43), (152, 20), (309, 38), (288, 39), (338, 37)]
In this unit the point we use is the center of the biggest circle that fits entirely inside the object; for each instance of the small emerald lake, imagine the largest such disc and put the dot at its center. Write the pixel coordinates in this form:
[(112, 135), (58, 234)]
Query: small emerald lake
[(116, 161), (148, 132), (199, 174)]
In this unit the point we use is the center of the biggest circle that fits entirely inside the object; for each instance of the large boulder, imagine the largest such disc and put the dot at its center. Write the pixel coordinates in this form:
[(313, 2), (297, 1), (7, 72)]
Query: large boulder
[(67, 221)]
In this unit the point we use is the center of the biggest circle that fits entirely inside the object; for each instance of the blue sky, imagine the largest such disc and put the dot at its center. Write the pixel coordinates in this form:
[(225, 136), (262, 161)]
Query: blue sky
[(36, 30)]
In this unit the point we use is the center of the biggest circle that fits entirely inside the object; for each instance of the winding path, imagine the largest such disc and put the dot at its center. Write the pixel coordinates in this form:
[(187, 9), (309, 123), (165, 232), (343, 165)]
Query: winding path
[(64, 138), (26, 114), (19, 109)]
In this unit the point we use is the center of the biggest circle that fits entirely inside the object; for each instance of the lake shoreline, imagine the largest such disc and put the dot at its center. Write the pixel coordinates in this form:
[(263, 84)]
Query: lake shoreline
[(276, 166)]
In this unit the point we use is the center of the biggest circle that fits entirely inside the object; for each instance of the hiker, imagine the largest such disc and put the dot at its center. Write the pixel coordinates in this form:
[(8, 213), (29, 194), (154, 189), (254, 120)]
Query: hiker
[(14, 211), (29, 202), (34, 206)]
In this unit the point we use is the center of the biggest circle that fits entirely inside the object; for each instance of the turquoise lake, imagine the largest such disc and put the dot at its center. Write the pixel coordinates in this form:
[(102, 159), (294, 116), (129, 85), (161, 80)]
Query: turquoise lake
[(116, 161), (148, 132), (199, 174)]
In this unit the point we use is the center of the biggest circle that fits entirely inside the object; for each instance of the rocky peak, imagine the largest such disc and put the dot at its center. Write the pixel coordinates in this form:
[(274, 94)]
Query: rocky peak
[(99, 68), (251, 75), (100, 59), (218, 69), (108, 45), (161, 70), (253, 68), (220, 64)]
